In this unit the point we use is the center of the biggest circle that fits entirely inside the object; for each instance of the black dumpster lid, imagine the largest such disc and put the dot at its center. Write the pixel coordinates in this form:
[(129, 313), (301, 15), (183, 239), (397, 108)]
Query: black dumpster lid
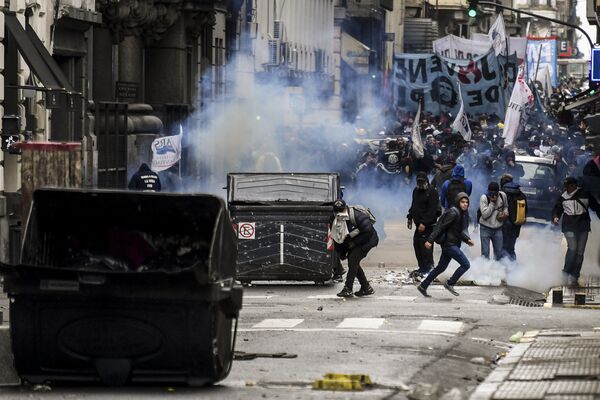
[(283, 187), (66, 225)]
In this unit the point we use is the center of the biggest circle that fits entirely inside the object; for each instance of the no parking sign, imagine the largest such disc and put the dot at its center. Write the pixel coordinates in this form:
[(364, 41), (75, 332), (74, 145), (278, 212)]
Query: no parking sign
[(246, 230)]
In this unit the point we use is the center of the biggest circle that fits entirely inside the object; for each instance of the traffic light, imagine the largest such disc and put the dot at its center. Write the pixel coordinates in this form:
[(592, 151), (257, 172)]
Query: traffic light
[(472, 9)]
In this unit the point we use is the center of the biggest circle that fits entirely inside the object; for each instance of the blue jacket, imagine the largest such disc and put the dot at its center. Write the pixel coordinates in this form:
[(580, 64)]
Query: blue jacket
[(457, 172)]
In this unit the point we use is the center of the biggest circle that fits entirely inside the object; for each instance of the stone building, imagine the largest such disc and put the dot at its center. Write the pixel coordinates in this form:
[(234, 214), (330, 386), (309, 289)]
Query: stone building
[(109, 75)]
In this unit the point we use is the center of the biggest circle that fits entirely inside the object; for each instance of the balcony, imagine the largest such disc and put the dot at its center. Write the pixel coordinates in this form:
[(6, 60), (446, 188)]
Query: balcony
[(368, 8)]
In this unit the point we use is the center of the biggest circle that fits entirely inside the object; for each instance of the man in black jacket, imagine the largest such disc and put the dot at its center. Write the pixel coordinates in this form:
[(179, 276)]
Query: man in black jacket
[(145, 180), (354, 236), (424, 212), (573, 206), (450, 231), (511, 228)]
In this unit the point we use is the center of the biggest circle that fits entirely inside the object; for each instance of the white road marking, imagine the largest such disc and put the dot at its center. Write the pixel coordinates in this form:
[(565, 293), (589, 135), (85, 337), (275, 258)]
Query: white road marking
[(263, 297), (361, 323), (398, 298), (325, 296), (403, 332), (278, 323), (440, 326)]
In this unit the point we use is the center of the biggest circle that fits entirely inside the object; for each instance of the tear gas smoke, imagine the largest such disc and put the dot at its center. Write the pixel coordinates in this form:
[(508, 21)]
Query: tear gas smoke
[(540, 257), (267, 129)]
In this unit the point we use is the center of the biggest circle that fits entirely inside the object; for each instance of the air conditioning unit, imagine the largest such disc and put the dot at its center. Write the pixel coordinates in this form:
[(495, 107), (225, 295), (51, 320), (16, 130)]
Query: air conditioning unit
[(274, 52), (277, 29)]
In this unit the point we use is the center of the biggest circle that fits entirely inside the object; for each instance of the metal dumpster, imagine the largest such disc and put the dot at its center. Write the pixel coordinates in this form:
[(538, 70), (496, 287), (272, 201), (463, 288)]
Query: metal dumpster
[(121, 287), (282, 222)]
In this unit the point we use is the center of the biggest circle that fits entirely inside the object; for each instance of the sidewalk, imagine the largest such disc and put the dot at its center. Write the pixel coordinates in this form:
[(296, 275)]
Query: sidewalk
[(547, 364)]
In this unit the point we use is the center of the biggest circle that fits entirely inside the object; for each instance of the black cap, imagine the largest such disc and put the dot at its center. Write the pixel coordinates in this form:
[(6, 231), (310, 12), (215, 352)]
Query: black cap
[(339, 205), (570, 180), (493, 187), (422, 176)]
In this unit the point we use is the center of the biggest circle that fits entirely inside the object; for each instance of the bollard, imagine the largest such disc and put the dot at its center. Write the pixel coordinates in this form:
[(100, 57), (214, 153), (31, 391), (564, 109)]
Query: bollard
[(557, 296), (580, 299)]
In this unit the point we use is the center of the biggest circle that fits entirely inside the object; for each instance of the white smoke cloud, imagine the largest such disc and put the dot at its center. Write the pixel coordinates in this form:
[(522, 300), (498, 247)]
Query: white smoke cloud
[(540, 257), (273, 127)]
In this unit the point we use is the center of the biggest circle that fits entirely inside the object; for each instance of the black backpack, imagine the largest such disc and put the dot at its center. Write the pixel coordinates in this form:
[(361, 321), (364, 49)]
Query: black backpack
[(455, 186)]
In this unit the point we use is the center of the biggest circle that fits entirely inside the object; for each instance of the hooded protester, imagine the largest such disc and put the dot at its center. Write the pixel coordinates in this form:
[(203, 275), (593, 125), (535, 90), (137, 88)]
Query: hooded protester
[(354, 236), (455, 185), (573, 206), (511, 167), (424, 212), (145, 180), (444, 172), (450, 231), (493, 211), (517, 214)]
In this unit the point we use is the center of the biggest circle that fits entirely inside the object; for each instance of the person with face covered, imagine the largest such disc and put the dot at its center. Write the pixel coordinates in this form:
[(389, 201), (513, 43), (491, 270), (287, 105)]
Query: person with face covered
[(573, 206), (423, 213), (450, 232), (493, 211), (354, 236)]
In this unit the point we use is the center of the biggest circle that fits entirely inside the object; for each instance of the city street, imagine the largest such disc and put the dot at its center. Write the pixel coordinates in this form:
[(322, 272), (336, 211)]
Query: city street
[(407, 344)]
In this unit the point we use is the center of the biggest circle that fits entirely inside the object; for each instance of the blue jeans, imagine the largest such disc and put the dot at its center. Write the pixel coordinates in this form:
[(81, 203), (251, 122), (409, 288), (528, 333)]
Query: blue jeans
[(493, 235), (448, 254), (576, 242)]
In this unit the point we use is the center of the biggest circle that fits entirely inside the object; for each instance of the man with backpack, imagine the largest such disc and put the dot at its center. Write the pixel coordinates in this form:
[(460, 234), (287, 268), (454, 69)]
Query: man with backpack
[(573, 206), (517, 214), (493, 211), (449, 232), (455, 185), (354, 236), (424, 212)]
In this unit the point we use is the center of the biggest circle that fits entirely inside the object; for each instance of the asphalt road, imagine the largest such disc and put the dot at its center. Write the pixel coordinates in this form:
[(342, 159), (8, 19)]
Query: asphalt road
[(408, 344)]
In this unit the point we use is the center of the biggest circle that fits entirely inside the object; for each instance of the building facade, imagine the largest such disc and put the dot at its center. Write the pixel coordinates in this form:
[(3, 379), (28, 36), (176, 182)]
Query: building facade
[(109, 75)]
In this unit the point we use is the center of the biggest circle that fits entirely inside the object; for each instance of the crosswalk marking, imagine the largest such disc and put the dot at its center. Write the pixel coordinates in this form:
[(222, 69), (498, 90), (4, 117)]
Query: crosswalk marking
[(440, 326), (278, 323), (361, 323), (399, 298), (325, 296)]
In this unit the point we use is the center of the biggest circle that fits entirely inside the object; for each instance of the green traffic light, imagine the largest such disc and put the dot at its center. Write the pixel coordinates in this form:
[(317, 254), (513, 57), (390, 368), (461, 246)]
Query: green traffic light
[(592, 92), (472, 12)]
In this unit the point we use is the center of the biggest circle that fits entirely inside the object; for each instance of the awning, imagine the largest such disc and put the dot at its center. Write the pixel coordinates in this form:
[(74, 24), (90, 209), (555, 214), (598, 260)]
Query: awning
[(355, 54), (37, 56)]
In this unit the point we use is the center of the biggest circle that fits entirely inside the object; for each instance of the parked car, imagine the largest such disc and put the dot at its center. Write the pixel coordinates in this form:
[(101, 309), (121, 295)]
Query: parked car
[(539, 185)]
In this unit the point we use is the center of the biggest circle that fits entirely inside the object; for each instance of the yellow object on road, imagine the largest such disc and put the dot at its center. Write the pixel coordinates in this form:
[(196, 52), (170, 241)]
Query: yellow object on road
[(347, 382)]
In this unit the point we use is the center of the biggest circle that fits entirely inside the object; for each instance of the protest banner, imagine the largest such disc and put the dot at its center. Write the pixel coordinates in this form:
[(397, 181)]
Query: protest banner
[(544, 51), (436, 79)]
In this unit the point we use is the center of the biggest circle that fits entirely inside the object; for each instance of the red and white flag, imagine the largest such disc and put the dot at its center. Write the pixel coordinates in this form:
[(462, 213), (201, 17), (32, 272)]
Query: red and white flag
[(520, 99), (330, 246)]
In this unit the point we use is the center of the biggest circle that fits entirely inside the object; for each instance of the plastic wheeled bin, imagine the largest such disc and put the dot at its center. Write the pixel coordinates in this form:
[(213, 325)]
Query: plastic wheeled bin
[(282, 223), (120, 287)]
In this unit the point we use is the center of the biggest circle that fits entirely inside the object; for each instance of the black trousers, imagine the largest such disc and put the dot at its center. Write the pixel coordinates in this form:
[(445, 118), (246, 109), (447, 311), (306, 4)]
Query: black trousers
[(424, 255), (355, 256), (338, 269)]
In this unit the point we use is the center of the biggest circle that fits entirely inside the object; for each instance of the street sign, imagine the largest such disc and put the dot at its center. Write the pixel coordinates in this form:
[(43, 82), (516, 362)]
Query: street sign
[(595, 67)]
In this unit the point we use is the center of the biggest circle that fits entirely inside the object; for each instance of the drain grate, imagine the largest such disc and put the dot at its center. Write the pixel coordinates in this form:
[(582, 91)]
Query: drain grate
[(525, 303)]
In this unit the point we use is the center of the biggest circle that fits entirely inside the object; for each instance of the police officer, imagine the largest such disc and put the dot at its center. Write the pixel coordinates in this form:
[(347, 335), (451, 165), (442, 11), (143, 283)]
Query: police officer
[(145, 180)]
